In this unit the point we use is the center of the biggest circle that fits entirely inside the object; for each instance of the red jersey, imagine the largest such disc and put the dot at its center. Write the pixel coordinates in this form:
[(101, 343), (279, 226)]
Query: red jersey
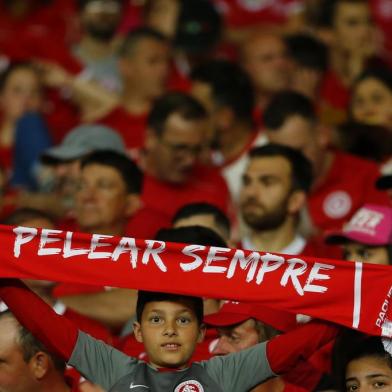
[(130, 127), (242, 13), (348, 185), (206, 185)]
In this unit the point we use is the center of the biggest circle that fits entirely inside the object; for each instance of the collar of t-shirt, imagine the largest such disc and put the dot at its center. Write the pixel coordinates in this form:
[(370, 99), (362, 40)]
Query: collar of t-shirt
[(295, 247)]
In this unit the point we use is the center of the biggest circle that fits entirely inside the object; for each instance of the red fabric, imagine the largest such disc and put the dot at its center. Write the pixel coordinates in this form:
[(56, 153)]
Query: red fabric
[(316, 247), (206, 185), (146, 223), (131, 127), (348, 186), (44, 33), (319, 288), (287, 350), (242, 13), (61, 335), (382, 13)]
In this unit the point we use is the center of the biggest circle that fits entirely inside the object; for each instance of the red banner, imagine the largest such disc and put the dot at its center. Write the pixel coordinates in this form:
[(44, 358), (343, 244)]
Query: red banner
[(356, 295)]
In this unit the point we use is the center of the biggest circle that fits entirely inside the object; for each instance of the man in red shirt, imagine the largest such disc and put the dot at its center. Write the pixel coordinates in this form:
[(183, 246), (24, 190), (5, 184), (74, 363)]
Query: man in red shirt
[(275, 186), (342, 182), (266, 59), (177, 126)]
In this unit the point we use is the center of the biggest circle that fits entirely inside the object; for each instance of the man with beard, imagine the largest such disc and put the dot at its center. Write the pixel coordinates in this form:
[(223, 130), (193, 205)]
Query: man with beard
[(96, 49), (274, 188)]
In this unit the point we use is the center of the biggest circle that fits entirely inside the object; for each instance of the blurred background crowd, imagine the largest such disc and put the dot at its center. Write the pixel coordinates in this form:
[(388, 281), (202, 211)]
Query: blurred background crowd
[(266, 122)]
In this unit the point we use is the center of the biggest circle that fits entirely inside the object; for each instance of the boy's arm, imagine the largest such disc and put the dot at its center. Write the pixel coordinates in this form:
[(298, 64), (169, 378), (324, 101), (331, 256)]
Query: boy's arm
[(97, 361), (285, 351), (57, 333)]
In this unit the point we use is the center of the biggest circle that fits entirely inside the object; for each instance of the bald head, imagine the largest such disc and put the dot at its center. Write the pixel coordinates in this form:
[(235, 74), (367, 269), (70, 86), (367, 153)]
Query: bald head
[(264, 57)]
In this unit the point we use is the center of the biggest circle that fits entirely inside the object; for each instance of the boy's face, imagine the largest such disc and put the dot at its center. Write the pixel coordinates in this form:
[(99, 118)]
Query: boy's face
[(170, 332)]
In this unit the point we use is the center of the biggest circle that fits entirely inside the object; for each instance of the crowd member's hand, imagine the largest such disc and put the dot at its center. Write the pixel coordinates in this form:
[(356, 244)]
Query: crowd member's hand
[(87, 386), (54, 75)]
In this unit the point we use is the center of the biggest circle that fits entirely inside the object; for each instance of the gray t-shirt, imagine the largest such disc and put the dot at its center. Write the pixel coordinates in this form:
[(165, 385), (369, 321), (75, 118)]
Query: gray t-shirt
[(117, 372)]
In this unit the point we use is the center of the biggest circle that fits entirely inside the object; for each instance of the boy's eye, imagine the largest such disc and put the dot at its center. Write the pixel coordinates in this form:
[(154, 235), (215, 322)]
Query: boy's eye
[(155, 319), (183, 320)]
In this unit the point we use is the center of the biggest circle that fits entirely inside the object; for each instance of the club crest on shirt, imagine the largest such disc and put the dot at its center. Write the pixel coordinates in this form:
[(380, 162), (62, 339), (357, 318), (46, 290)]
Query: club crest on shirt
[(337, 204), (189, 386)]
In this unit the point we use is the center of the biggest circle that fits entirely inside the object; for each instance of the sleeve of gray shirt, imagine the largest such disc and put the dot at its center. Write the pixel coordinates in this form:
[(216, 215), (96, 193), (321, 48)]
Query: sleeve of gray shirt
[(240, 371), (98, 362)]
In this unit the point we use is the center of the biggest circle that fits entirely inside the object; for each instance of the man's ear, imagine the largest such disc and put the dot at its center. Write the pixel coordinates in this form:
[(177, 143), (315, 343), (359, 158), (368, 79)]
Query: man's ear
[(151, 139), (202, 332), (137, 330), (39, 365), (297, 201), (224, 118), (133, 204)]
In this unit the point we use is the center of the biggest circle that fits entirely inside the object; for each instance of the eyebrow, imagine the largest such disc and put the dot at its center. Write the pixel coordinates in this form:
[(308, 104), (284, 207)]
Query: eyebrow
[(369, 376)]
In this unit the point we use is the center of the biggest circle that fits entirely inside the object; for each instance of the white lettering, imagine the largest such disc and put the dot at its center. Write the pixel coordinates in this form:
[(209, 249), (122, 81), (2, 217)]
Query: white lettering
[(23, 236), (239, 256), (213, 256), (68, 251), (45, 239), (314, 275), (293, 273), (154, 253), (124, 246), (96, 244), (270, 263), (188, 251)]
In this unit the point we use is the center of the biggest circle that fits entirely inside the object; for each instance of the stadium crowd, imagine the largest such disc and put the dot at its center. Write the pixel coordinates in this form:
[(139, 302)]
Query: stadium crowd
[(253, 124)]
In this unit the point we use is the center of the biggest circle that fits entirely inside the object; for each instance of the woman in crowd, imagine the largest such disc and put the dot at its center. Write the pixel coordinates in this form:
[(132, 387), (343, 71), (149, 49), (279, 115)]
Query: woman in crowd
[(23, 134), (371, 101)]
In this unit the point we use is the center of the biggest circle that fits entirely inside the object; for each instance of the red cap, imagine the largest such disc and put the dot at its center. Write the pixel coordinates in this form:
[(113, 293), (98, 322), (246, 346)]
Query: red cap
[(232, 313)]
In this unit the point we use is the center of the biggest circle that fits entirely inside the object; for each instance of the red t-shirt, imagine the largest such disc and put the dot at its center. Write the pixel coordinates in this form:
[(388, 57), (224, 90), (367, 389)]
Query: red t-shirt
[(206, 185), (242, 13), (347, 187), (131, 127), (382, 13)]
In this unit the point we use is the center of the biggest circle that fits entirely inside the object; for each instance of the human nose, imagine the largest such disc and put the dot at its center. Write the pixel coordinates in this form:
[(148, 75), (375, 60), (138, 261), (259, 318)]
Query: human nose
[(170, 328)]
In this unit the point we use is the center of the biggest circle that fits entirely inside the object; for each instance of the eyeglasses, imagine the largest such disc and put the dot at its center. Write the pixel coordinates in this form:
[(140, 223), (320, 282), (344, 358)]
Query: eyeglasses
[(182, 149)]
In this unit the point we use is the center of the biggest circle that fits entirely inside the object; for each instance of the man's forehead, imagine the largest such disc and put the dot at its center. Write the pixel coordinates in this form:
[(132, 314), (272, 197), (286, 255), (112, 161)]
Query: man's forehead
[(179, 127), (269, 165)]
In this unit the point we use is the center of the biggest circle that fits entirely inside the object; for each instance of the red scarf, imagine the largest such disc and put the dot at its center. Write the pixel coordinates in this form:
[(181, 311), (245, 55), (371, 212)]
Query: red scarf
[(356, 295)]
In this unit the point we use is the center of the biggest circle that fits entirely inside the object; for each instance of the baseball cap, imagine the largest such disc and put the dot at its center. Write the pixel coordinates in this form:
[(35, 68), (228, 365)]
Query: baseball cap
[(84, 139), (232, 313), (370, 225)]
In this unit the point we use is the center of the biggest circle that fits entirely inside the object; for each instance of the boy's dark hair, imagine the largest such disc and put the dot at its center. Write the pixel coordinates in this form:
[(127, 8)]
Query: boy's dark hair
[(21, 215), (30, 345), (176, 102), (203, 208), (285, 105), (230, 86), (301, 167), (308, 51), (144, 297), (131, 40), (128, 169), (187, 235)]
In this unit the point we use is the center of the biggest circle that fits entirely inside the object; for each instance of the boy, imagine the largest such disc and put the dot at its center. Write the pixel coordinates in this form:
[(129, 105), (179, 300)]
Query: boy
[(170, 326)]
